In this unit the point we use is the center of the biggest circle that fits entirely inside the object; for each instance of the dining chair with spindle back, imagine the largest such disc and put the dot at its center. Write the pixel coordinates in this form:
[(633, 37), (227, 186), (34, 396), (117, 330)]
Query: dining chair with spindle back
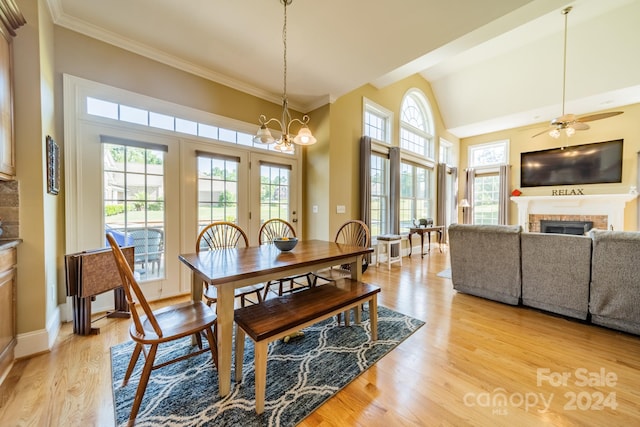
[(221, 235), (278, 228), (151, 328)]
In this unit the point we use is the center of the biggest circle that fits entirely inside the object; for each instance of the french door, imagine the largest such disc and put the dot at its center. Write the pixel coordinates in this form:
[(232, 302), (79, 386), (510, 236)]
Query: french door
[(123, 187), (274, 191)]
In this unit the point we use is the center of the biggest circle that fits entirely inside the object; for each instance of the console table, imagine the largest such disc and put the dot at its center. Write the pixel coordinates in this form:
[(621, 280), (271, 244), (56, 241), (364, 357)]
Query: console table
[(426, 230)]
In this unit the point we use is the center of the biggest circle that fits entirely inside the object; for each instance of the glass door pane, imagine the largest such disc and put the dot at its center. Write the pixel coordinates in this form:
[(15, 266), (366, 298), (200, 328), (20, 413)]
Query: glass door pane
[(134, 208), (274, 192), (217, 190)]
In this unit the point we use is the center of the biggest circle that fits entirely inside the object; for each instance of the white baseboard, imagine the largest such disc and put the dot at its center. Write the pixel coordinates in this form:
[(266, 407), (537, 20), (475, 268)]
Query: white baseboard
[(41, 341)]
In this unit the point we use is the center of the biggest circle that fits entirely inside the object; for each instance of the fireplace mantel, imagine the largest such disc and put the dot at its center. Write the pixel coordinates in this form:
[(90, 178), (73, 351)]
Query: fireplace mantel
[(611, 205)]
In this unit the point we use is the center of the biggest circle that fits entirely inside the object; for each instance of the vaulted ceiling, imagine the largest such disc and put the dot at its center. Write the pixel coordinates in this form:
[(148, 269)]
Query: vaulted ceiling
[(493, 64)]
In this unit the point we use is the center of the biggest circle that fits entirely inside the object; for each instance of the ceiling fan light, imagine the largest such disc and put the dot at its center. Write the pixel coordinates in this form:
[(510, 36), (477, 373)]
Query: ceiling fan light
[(555, 133), (570, 131)]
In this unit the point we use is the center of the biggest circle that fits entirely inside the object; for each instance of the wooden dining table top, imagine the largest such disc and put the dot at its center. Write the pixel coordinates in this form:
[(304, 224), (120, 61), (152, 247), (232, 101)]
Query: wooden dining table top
[(231, 264)]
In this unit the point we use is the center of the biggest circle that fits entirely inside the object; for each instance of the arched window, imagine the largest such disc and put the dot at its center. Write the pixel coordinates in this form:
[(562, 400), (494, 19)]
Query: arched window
[(416, 124), (417, 159)]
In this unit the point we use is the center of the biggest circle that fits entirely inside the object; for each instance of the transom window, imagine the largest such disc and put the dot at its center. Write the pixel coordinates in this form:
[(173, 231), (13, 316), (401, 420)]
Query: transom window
[(377, 122), (446, 153), (125, 113), (491, 154), (416, 125)]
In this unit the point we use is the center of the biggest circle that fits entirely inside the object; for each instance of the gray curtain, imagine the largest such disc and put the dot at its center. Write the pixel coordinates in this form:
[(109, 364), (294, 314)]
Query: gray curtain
[(504, 201), (470, 179), (441, 189), (394, 190), (365, 180), (394, 195), (365, 184), (454, 202)]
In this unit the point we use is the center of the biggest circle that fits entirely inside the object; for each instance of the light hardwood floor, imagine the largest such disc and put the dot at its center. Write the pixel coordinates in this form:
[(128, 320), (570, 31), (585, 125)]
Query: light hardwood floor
[(451, 372)]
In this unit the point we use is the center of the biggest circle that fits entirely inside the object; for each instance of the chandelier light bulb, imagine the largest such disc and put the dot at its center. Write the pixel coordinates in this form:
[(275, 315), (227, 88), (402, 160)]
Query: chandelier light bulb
[(555, 133), (304, 136)]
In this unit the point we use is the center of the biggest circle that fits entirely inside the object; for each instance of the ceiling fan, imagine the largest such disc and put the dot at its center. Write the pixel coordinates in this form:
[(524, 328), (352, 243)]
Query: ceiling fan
[(569, 122)]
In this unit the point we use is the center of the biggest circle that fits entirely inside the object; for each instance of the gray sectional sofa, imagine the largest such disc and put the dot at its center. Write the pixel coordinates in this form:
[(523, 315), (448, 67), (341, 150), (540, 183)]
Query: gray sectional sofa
[(615, 280), (556, 273), (595, 277), (494, 247)]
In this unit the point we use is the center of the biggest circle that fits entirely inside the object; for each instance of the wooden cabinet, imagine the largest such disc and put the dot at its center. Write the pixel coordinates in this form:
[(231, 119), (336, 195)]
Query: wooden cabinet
[(8, 335), (10, 20), (7, 163)]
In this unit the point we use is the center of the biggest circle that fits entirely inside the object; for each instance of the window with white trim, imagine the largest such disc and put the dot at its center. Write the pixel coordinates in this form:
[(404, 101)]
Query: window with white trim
[(489, 154), (486, 196), (377, 122), (486, 158), (379, 194), (126, 113), (416, 125), (446, 153), (415, 194)]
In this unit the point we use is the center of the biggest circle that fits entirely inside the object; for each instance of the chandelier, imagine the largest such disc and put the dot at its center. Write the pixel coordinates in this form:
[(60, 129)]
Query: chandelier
[(286, 140)]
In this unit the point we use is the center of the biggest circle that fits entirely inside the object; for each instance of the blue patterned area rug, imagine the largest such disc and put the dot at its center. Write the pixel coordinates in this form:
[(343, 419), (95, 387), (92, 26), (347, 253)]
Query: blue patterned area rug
[(301, 375)]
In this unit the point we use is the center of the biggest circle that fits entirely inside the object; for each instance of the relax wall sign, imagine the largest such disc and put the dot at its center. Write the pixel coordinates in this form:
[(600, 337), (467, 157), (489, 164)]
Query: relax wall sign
[(572, 192)]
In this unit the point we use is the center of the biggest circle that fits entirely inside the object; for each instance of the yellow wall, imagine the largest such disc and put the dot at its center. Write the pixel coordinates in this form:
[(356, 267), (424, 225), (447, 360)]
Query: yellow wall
[(346, 130), (624, 126), (37, 267), (316, 177)]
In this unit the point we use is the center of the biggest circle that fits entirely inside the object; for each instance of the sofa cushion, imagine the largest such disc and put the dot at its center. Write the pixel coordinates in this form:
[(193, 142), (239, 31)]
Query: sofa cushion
[(556, 269), (485, 261), (615, 280)]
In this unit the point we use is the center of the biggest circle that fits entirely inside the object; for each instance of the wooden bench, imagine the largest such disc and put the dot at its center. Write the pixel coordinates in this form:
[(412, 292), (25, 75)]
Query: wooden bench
[(278, 317)]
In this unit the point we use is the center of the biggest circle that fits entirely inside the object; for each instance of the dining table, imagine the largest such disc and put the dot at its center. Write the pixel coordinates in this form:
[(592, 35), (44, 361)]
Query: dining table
[(231, 268)]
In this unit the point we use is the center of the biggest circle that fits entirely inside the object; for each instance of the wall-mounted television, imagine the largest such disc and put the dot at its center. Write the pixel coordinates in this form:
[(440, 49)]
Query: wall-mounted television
[(595, 163)]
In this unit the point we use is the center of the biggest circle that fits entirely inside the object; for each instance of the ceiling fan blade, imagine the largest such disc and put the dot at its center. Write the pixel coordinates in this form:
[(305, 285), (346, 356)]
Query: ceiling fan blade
[(579, 125), (598, 116), (567, 118), (544, 131)]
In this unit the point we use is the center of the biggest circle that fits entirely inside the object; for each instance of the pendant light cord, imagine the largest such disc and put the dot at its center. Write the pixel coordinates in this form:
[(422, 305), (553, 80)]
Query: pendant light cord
[(565, 12)]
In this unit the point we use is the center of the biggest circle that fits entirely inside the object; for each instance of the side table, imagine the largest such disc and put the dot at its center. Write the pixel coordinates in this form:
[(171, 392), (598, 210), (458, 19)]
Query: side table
[(426, 230), (389, 240)]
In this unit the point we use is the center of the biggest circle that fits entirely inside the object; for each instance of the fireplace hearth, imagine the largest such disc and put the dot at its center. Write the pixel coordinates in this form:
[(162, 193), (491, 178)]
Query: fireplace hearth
[(607, 211), (578, 228)]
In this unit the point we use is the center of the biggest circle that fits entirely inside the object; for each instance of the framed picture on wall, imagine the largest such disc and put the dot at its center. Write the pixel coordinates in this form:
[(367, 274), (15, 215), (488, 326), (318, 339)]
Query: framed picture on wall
[(53, 166)]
